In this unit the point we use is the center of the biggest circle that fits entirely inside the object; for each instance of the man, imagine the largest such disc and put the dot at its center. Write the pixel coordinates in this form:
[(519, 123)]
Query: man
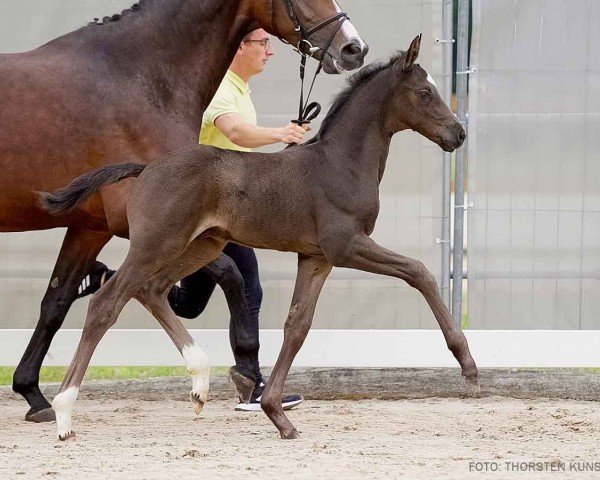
[(229, 122)]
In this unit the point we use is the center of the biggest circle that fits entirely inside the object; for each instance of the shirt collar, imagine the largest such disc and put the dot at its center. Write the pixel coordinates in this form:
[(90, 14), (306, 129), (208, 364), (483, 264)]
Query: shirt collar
[(242, 86)]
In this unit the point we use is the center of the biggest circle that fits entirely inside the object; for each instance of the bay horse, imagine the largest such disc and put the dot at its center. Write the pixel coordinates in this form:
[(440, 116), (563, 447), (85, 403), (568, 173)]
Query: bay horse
[(320, 199), (128, 88)]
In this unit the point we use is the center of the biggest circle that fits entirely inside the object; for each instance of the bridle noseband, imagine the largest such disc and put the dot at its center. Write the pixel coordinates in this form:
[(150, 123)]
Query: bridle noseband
[(305, 48)]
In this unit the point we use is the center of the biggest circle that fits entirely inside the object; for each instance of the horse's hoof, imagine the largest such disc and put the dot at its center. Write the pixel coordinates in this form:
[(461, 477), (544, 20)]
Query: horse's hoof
[(243, 385), (290, 435), (67, 436), (40, 416), (197, 403)]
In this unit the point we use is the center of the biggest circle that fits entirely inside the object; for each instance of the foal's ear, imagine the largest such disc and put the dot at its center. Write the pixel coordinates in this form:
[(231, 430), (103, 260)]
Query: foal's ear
[(412, 53)]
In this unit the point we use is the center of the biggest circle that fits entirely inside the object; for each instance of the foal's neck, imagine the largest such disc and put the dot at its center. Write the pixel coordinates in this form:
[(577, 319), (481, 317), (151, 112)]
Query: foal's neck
[(358, 133)]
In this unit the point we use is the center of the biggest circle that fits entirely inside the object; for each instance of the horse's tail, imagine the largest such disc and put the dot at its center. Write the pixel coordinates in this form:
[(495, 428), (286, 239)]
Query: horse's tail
[(83, 187)]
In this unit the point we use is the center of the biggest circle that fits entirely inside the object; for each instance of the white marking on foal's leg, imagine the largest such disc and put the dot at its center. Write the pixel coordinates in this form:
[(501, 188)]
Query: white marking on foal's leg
[(63, 407), (199, 368)]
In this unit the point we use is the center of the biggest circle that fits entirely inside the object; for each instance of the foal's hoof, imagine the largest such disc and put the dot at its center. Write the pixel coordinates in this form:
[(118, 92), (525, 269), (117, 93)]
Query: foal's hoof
[(40, 416), (290, 435), (197, 402), (473, 384), (66, 436), (243, 385)]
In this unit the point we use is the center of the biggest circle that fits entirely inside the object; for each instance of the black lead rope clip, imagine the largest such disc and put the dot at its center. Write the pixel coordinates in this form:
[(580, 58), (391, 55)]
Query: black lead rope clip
[(310, 113)]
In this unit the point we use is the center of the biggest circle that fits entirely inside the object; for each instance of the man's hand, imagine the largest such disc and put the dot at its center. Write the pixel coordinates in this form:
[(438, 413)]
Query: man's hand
[(294, 133), (240, 132)]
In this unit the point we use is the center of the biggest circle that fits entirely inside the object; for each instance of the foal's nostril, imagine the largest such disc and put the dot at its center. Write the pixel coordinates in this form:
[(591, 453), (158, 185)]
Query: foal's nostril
[(462, 135)]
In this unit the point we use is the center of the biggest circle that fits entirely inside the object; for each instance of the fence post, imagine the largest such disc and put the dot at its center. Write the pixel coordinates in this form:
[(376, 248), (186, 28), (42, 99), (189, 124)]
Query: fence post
[(447, 43), (462, 80)]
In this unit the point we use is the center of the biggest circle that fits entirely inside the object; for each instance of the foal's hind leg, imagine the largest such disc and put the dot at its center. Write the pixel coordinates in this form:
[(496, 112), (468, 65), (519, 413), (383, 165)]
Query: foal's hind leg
[(364, 254), (104, 308), (312, 273), (190, 299), (154, 297)]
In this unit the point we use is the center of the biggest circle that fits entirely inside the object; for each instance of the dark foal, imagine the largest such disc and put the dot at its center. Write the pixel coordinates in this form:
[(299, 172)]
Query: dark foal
[(319, 199), (127, 89)]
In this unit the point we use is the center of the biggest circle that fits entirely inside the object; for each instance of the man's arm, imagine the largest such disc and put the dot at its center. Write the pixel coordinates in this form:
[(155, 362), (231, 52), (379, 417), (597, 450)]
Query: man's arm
[(247, 135)]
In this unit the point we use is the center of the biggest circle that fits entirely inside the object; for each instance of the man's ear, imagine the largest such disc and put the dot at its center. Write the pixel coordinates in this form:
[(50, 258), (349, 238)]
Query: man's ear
[(412, 53)]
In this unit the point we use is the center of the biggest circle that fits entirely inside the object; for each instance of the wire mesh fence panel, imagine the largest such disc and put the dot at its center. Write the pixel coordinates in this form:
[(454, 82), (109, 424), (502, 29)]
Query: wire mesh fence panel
[(534, 165)]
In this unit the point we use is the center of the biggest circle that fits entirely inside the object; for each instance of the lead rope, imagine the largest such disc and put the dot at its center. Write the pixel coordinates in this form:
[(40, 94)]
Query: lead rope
[(308, 112)]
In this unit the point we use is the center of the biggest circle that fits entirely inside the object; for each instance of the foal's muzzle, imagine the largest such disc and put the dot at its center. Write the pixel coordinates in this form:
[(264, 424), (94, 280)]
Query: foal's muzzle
[(461, 136), (454, 139)]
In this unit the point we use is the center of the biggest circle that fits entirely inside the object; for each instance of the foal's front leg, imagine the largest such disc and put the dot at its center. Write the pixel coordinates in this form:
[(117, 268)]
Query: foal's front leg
[(312, 273), (364, 254)]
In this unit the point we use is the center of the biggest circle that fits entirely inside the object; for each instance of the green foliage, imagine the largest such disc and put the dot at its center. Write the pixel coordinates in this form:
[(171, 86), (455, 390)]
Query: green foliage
[(56, 374)]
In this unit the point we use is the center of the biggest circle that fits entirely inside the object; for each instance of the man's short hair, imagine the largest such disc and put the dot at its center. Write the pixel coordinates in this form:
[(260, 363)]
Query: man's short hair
[(248, 36)]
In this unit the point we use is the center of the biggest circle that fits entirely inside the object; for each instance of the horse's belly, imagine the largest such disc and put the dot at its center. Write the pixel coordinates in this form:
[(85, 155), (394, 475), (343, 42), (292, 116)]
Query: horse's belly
[(281, 239), (22, 218), (20, 211)]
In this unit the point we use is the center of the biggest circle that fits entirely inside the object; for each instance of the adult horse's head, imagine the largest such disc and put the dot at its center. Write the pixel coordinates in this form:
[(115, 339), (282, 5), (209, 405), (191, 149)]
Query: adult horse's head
[(417, 104), (317, 27)]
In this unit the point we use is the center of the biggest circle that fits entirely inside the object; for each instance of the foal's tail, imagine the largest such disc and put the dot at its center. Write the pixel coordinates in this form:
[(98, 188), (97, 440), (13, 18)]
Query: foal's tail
[(83, 187)]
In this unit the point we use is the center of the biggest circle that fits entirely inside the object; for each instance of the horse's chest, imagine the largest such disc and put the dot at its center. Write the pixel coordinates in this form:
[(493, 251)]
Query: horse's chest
[(369, 219), (366, 211)]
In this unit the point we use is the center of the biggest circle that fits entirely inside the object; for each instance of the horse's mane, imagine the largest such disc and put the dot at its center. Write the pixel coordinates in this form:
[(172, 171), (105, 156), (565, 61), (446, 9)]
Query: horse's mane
[(363, 76), (117, 16)]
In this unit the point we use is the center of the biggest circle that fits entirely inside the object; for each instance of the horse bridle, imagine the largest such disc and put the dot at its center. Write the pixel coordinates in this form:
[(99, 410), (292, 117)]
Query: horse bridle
[(304, 47), (308, 112)]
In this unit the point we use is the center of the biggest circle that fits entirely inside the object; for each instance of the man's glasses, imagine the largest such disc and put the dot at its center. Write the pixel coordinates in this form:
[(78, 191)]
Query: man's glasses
[(265, 42)]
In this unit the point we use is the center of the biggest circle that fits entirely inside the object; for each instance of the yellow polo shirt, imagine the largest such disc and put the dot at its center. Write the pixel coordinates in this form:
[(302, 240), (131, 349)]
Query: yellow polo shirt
[(233, 96)]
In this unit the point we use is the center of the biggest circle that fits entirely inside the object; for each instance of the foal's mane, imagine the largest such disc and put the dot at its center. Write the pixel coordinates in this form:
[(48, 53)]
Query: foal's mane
[(117, 16), (362, 77)]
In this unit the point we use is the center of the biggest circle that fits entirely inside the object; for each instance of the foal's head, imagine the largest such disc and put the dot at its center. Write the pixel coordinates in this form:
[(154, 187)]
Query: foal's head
[(414, 103), (335, 40)]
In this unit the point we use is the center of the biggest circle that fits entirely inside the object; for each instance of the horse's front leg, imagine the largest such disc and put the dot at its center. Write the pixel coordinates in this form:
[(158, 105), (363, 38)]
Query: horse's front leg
[(78, 252), (312, 273), (243, 333), (362, 253)]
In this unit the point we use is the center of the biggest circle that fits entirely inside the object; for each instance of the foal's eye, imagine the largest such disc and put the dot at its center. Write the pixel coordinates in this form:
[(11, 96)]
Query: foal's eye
[(424, 95)]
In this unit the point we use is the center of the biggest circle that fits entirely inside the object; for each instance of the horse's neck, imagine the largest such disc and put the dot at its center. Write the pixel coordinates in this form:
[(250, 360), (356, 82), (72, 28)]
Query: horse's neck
[(185, 45)]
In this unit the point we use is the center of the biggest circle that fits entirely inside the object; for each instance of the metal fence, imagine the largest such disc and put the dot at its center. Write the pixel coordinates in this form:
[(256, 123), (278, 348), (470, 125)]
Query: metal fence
[(534, 165)]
